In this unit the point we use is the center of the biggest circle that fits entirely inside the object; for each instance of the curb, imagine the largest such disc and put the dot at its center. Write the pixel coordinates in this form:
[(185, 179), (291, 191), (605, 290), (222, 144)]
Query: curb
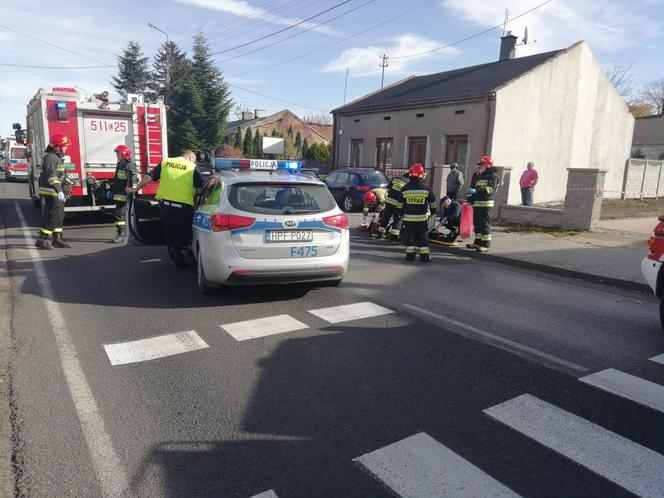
[(563, 272)]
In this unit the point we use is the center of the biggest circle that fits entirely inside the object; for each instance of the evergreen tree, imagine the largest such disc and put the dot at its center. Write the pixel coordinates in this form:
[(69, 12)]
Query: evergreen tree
[(290, 151), (133, 73), (248, 144), (169, 55), (214, 91), (274, 132), (298, 143), (186, 111), (305, 148), (258, 146), (237, 143)]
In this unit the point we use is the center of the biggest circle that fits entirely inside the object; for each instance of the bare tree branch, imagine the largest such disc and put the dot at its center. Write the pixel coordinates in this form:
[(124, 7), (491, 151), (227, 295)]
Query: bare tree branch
[(652, 93), (620, 76)]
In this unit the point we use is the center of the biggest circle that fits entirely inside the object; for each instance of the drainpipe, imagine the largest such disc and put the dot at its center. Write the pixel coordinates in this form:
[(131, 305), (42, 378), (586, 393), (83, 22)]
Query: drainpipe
[(487, 122)]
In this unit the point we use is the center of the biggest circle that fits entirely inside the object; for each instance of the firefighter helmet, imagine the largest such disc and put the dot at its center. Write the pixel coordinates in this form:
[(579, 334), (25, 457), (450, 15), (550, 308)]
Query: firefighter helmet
[(416, 170), (369, 196), (486, 161), (58, 141), (124, 150)]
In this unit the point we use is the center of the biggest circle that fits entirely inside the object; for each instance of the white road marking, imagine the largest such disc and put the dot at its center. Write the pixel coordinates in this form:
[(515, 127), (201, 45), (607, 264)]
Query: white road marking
[(420, 466), (154, 260), (624, 462), (516, 348), (266, 494), (348, 312), (108, 467), (155, 347), (262, 327), (628, 386), (658, 359)]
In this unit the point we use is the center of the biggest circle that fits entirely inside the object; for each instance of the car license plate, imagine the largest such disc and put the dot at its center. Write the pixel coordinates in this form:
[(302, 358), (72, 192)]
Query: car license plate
[(289, 236)]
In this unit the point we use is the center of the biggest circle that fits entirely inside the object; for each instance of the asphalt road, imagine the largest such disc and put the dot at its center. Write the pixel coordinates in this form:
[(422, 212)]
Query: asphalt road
[(456, 378)]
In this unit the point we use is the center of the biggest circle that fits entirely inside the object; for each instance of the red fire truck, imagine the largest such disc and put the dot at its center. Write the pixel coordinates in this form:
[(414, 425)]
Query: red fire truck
[(95, 127)]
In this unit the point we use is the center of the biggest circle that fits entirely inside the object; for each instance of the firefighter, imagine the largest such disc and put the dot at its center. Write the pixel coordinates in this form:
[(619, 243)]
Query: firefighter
[(482, 198), (416, 202), (450, 219), (374, 202), (392, 207), (50, 191), (180, 182), (124, 176)]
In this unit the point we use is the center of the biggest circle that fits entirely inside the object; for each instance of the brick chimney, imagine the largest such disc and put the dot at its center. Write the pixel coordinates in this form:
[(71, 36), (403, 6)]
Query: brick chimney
[(259, 113), (247, 115), (507, 46)]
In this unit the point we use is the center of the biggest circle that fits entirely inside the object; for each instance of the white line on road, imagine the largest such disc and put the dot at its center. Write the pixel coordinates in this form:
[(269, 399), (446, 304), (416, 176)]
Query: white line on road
[(348, 312), (266, 494), (503, 343), (155, 347), (262, 327), (107, 464), (154, 260), (420, 466), (658, 359), (624, 462), (628, 386)]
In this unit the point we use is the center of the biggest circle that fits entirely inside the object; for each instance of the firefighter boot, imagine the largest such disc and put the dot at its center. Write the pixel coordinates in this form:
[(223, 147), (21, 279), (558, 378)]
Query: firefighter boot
[(43, 243), (59, 242), (119, 235), (425, 257)]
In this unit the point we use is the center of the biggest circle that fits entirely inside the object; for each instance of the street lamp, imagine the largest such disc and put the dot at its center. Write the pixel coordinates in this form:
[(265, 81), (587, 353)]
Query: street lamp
[(167, 83)]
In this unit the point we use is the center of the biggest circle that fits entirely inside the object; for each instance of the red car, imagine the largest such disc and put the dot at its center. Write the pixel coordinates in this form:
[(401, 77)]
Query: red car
[(651, 266)]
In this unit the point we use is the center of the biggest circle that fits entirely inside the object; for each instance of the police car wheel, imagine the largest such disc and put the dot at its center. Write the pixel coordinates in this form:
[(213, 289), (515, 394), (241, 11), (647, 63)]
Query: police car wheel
[(202, 283)]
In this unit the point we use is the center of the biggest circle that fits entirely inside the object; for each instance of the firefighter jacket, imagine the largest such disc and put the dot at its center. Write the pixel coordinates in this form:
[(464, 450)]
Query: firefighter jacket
[(416, 201), (378, 204), (395, 186), (123, 178), (486, 185), (51, 174)]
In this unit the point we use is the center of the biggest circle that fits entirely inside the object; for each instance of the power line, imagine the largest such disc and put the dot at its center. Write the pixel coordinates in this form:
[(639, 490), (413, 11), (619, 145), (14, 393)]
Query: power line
[(306, 54), (53, 67), (278, 99), (298, 33), (291, 26), (501, 24)]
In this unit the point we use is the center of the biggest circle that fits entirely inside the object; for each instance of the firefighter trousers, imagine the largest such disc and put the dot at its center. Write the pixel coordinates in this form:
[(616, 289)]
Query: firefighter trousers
[(390, 212), (416, 239), (54, 215), (482, 225), (119, 214)]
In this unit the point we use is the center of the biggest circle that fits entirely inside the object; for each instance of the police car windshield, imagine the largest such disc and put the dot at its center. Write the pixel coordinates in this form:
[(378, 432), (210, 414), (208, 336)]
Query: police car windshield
[(271, 198), (373, 177), (18, 153)]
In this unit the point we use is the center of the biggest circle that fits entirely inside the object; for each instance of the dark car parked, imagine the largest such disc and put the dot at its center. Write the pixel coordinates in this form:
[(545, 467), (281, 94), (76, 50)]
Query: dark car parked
[(348, 186)]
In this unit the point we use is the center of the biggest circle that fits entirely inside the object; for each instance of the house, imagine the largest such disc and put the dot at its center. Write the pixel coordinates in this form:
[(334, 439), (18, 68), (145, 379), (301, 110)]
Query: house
[(557, 109), (281, 121), (649, 137)]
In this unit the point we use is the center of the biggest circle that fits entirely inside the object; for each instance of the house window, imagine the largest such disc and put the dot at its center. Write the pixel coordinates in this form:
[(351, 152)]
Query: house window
[(383, 153), (456, 149), (356, 148), (417, 150)]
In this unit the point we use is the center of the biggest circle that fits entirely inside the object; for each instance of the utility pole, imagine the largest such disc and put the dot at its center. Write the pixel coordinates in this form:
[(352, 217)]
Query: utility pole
[(167, 82), (383, 65), (346, 86)]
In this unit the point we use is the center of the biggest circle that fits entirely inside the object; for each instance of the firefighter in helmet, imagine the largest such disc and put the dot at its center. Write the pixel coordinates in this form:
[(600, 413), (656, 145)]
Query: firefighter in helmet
[(392, 208), (180, 182), (482, 197), (373, 203), (124, 177), (417, 202), (50, 191)]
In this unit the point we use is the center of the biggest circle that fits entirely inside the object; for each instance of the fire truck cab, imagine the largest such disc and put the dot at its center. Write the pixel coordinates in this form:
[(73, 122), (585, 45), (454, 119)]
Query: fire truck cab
[(95, 128)]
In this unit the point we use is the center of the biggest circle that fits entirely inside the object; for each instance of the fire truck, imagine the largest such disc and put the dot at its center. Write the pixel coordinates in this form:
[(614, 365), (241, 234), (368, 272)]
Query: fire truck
[(14, 159), (95, 128)]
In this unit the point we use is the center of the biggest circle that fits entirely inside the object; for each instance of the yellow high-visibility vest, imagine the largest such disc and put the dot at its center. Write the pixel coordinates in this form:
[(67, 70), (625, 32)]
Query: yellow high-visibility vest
[(176, 182)]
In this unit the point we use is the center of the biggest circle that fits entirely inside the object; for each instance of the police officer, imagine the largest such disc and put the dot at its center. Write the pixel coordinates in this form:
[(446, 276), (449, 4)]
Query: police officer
[(482, 198), (124, 177), (179, 183), (392, 208), (50, 191), (417, 202)]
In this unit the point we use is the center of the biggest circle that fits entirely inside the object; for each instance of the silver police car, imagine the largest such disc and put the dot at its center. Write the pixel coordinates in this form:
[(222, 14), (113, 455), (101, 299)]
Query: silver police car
[(260, 221)]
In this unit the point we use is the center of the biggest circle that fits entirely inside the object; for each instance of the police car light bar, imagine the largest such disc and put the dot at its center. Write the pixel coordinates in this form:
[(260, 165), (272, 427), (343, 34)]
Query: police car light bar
[(256, 164)]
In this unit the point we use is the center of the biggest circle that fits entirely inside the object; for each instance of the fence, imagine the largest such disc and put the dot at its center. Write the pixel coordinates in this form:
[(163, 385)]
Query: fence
[(643, 178)]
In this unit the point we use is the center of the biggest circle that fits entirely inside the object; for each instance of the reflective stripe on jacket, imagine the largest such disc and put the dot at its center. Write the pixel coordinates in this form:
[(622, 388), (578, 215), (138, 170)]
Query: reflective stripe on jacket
[(49, 178)]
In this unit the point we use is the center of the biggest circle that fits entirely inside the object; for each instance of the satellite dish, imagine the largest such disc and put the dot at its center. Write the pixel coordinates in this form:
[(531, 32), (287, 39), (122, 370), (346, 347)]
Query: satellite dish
[(525, 36)]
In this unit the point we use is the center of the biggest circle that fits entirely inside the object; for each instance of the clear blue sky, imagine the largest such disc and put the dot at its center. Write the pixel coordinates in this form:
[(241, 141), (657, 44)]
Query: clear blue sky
[(616, 30)]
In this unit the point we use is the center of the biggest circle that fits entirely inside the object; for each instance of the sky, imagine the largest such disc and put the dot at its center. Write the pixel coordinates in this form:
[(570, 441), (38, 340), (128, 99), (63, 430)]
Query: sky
[(271, 64)]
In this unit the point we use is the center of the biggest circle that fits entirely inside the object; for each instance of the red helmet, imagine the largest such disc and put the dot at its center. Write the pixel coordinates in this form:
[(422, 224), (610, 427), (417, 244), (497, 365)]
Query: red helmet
[(369, 196), (416, 170), (58, 141), (124, 150), (487, 161)]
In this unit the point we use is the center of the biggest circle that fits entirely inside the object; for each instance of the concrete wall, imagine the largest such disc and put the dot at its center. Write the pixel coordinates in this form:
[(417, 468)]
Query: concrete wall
[(564, 113), (529, 215), (437, 123), (649, 136)]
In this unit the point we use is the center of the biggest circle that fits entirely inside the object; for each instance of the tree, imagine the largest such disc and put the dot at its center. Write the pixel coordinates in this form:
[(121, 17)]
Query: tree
[(322, 118), (133, 73), (186, 111), (639, 110), (258, 146), (228, 151), (305, 148), (248, 144), (214, 91), (237, 142), (298, 143), (652, 94), (274, 133), (620, 76), (318, 152), (169, 55)]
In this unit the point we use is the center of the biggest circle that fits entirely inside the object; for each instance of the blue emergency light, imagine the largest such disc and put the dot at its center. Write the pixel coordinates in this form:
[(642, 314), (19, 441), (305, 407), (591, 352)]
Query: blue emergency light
[(61, 111), (223, 163)]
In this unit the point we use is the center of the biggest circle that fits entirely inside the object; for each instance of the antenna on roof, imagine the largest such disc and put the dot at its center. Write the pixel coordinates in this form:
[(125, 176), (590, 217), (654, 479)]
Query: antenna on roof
[(507, 19), (524, 40)]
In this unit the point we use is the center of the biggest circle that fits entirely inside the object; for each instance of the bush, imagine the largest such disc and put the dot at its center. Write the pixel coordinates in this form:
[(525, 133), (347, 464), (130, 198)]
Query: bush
[(228, 151)]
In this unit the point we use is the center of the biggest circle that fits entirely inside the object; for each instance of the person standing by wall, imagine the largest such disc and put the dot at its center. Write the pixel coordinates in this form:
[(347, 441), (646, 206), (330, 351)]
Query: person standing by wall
[(454, 182), (527, 182)]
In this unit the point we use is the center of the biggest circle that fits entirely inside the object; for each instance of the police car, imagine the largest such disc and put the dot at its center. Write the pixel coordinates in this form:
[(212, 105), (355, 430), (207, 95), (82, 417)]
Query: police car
[(651, 266), (261, 221)]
